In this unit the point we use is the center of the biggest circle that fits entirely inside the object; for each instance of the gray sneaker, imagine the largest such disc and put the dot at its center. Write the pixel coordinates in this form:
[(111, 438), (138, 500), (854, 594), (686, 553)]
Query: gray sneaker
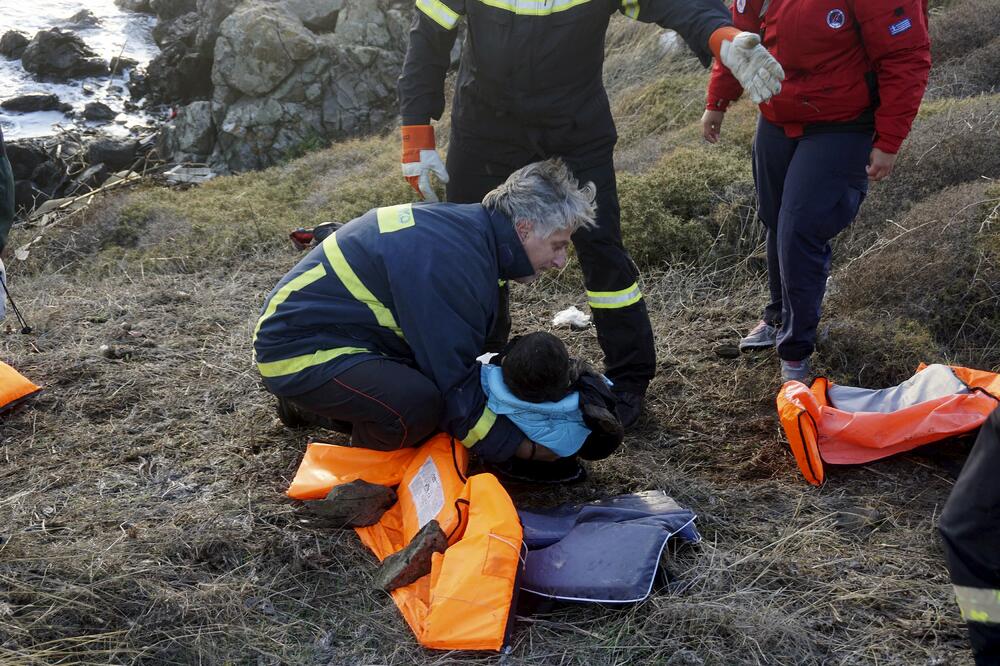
[(798, 371), (762, 336)]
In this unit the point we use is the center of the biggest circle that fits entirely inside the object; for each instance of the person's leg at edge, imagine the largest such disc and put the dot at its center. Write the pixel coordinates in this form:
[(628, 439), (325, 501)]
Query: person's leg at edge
[(772, 153), (824, 188), (619, 309), (970, 532), (387, 405)]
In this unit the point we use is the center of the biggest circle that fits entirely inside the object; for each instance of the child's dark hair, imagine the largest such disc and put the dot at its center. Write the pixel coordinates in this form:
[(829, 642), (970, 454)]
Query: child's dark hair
[(536, 367)]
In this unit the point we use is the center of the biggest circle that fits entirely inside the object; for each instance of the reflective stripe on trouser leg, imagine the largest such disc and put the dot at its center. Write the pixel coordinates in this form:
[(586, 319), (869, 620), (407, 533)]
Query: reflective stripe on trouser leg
[(978, 604), (620, 315)]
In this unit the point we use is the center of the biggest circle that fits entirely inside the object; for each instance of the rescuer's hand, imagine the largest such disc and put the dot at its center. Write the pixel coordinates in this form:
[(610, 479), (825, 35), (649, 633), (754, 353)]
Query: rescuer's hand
[(420, 159), (756, 69), (880, 165), (711, 124)]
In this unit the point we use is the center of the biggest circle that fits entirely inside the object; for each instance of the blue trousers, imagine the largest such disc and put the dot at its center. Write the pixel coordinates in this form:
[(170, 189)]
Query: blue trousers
[(809, 189)]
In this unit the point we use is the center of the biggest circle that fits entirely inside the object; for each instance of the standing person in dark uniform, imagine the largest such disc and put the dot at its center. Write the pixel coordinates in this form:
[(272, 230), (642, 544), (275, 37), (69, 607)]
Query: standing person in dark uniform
[(857, 70), (6, 216), (970, 527), (530, 87)]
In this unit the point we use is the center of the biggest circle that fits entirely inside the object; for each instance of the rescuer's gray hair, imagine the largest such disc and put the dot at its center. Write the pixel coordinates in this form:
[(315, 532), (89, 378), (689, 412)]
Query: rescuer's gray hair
[(547, 194)]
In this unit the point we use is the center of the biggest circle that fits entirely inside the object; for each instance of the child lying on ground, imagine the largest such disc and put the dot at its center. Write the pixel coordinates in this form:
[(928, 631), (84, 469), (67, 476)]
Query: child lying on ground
[(560, 403)]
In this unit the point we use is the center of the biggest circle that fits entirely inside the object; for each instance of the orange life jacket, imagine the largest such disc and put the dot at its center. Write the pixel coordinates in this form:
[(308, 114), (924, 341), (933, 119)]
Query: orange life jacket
[(843, 425), (465, 601), (14, 388)]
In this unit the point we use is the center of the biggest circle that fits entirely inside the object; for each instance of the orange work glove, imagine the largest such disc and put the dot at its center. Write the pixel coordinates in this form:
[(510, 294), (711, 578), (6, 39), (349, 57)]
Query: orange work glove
[(420, 158)]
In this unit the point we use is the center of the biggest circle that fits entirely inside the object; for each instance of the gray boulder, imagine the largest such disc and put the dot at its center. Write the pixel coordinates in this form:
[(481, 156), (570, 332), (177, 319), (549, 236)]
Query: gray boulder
[(98, 111), (258, 47), (284, 73), (12, 44), (190, 136), (121, 63), (82, 20), (32, 102), (141, 6), (114, 153), (60, 54)]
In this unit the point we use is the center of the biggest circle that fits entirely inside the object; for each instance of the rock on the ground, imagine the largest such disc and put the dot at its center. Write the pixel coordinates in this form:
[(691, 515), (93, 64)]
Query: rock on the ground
[(119, 63), (259, 46), (191, 135), (279, 73), (81, 20), (98, 111), (114, 153), (61, 54), (32, 102), (141, 6), (12, 44), (25, 155)]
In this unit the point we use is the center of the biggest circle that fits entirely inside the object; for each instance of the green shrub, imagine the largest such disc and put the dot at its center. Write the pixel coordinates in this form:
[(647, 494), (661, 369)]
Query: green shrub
[(874, 351), (964, 26), (667, 212), (939, 269)]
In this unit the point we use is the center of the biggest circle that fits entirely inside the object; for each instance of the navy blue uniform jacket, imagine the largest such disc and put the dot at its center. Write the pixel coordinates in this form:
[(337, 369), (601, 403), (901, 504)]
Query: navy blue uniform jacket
[(414, 283)]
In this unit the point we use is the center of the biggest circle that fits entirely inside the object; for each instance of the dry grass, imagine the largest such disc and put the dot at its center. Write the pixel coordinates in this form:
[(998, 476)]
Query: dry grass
[(142, 492)]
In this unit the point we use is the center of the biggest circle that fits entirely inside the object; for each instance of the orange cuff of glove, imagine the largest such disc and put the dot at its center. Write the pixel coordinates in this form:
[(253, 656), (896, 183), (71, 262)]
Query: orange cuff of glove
[(415, 139), (719, 36)]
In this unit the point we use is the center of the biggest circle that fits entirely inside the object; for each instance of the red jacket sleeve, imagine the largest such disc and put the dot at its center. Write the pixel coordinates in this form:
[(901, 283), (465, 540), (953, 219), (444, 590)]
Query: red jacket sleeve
[(723, 88), (894, 34)]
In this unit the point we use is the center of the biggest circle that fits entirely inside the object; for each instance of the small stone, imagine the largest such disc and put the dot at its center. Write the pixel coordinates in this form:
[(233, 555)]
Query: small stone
[(684, 658), (354, 504), (727, 351), (414, 561)]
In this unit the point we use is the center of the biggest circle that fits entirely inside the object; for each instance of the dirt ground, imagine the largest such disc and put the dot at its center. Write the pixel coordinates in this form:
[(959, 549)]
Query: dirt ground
[(145, 520), (142, 509)]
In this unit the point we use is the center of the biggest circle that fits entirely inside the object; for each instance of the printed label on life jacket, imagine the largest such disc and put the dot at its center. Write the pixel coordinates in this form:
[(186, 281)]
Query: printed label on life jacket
[(427, 493)]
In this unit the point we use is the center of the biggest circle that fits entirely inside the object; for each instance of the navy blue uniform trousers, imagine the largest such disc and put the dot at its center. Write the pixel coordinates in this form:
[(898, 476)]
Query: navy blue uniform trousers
[(809, 189)]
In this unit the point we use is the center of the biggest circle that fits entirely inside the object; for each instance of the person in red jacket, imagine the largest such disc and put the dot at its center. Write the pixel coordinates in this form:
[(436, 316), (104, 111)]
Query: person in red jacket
[(855, 72)]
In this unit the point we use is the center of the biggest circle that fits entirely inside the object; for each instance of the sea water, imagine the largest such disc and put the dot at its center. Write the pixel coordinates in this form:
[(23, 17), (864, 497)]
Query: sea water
[(119, 33)]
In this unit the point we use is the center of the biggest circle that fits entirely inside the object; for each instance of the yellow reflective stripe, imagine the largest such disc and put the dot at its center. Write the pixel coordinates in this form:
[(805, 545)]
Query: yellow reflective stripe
[(978, 604), (394, 218), (290, 366), (481, 429), (439, 12), (614, 299), (534, 7), (293, 285), (630, 8), (354, 285)]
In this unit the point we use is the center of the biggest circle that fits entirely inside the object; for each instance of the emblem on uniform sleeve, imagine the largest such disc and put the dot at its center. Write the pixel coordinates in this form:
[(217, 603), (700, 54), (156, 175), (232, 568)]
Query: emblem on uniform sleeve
[(836, 19), (741, 6), (900, 27)]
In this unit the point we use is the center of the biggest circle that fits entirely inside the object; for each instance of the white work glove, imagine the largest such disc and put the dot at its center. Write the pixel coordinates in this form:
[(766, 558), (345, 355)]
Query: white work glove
[(3, 292), (420, 159), (430, 162), (756, 69)]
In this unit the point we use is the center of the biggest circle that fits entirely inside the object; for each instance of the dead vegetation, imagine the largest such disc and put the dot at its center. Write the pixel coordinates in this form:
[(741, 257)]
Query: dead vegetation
[(142, 491)]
